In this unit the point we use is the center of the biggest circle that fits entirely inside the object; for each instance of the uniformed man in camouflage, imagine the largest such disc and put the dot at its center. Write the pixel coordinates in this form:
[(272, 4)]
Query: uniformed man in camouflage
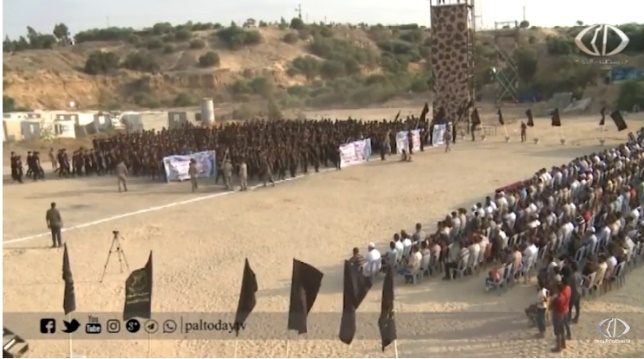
[(121, 175), (192, 172), (228, 174), (243, 175), (267, 171)]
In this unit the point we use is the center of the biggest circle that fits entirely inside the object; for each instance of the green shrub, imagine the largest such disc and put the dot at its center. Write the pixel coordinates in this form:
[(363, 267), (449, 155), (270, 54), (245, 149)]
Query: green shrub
[(526, 63), (631, 93), (290, 38), (558, 45), (146, 100), (332, 69), (235, 37), (183, 100), (134, 39), (413, 36), (183, 35), (209, 59), (162, 28), (307, 66), (141, 61), (107, 34), (168, 38), (100, 62), (340, 50), (169, 48), (154, 43), (197, 44)]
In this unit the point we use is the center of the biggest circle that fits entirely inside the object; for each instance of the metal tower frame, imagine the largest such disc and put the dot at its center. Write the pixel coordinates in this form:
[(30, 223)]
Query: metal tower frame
[(506, 74)]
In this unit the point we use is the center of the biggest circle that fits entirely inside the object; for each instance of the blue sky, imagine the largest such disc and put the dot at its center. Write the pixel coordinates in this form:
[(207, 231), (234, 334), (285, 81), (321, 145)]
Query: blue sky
[(84, 14)]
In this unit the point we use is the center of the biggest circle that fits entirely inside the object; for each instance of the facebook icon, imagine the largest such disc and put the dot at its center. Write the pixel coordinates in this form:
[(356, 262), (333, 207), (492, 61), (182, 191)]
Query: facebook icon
[(48, 326)]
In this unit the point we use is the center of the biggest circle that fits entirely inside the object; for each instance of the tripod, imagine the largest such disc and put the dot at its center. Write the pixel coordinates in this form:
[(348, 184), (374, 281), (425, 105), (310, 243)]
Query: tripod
[(116, 247)]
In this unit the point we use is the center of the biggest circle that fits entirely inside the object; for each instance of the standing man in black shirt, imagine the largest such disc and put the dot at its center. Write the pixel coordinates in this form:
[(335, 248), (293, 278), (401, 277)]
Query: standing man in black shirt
[(55, 223)]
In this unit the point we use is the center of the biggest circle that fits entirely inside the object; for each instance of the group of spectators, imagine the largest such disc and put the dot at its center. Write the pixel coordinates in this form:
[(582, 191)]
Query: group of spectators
[(576, 227)]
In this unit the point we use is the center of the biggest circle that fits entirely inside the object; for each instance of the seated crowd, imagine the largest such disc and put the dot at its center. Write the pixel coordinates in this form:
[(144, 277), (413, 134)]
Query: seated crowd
[(586, 212)]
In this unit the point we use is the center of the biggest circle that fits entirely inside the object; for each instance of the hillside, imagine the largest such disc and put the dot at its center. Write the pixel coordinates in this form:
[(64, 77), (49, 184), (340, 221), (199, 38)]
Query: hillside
[(290, 65)]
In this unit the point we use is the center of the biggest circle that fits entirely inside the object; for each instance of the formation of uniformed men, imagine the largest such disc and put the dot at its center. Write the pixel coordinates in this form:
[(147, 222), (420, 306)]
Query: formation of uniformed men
[(259, 150)]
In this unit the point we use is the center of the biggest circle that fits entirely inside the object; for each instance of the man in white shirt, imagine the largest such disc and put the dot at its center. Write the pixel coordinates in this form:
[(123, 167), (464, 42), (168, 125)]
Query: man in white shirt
[(373, 260), (413, 264), (530, 251)]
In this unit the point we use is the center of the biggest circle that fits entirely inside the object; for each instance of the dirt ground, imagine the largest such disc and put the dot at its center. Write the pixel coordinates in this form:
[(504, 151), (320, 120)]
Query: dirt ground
[(199, 249)]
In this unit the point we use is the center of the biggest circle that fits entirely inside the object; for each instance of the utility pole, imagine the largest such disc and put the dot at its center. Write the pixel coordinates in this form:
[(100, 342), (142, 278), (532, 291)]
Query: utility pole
[(298, 10)]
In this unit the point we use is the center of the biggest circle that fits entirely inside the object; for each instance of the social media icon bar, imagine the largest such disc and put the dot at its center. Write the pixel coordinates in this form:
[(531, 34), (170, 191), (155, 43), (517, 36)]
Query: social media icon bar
[(169, 326), (48, 326), (113, 326), (151, 326), (132, 326), (72, 326)]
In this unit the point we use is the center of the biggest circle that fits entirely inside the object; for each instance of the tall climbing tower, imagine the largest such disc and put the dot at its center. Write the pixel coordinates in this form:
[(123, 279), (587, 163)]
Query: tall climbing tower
[(452, 55)]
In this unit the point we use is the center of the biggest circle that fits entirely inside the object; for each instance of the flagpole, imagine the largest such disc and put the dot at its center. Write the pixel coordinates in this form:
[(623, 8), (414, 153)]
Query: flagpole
[(563, 137), (286, 356), (396, 348), (71, 347), (235, 353), (505, 129), (149, 345)]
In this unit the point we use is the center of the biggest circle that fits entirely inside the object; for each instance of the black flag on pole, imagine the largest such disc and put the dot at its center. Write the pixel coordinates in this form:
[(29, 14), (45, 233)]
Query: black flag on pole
[(602, 122), (476, 120), (305, 285), (138, 292), (619, 120), (247, 298), (555, 120), (69, 299), (501, 121), (397, 116), (356, 287), (530, 119), (387, 320)]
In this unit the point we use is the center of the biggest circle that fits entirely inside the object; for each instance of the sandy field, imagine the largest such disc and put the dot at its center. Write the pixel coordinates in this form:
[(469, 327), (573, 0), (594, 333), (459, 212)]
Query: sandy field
[(199, 250)]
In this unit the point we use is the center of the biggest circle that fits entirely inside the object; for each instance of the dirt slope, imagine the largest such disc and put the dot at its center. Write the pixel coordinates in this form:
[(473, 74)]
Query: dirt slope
[(50, 79)]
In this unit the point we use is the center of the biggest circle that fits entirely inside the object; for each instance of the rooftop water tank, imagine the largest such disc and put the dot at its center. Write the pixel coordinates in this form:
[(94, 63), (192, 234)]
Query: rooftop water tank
[(207, 111)]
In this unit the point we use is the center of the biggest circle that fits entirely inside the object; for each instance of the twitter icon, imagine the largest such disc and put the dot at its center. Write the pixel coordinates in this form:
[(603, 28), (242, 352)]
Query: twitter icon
[(71, 327)]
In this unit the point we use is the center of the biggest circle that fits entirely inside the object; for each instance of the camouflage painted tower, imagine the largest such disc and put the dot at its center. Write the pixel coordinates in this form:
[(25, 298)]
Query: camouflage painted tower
[(452, 57)]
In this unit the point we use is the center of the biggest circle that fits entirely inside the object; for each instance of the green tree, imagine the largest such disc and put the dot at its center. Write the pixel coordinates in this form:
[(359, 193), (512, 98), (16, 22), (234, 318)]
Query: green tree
[(8, 45), (154, 43), (209, 59), (61, 31), (297, 23), (162, 28), (100, 62), (169, 48), (526, 63), (8, 104), (524, 24), (274, 111)]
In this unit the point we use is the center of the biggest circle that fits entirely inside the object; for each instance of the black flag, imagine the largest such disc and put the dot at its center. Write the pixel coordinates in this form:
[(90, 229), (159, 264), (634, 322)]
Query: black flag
[(397, 116), (138, 292), (387, 320), (305, 285), (619, 120), (69, 300), (424, 113), (476, 120), (530, 119), (356, 287), (602, 122), (556, 120), (247, 299), (500, 117)]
